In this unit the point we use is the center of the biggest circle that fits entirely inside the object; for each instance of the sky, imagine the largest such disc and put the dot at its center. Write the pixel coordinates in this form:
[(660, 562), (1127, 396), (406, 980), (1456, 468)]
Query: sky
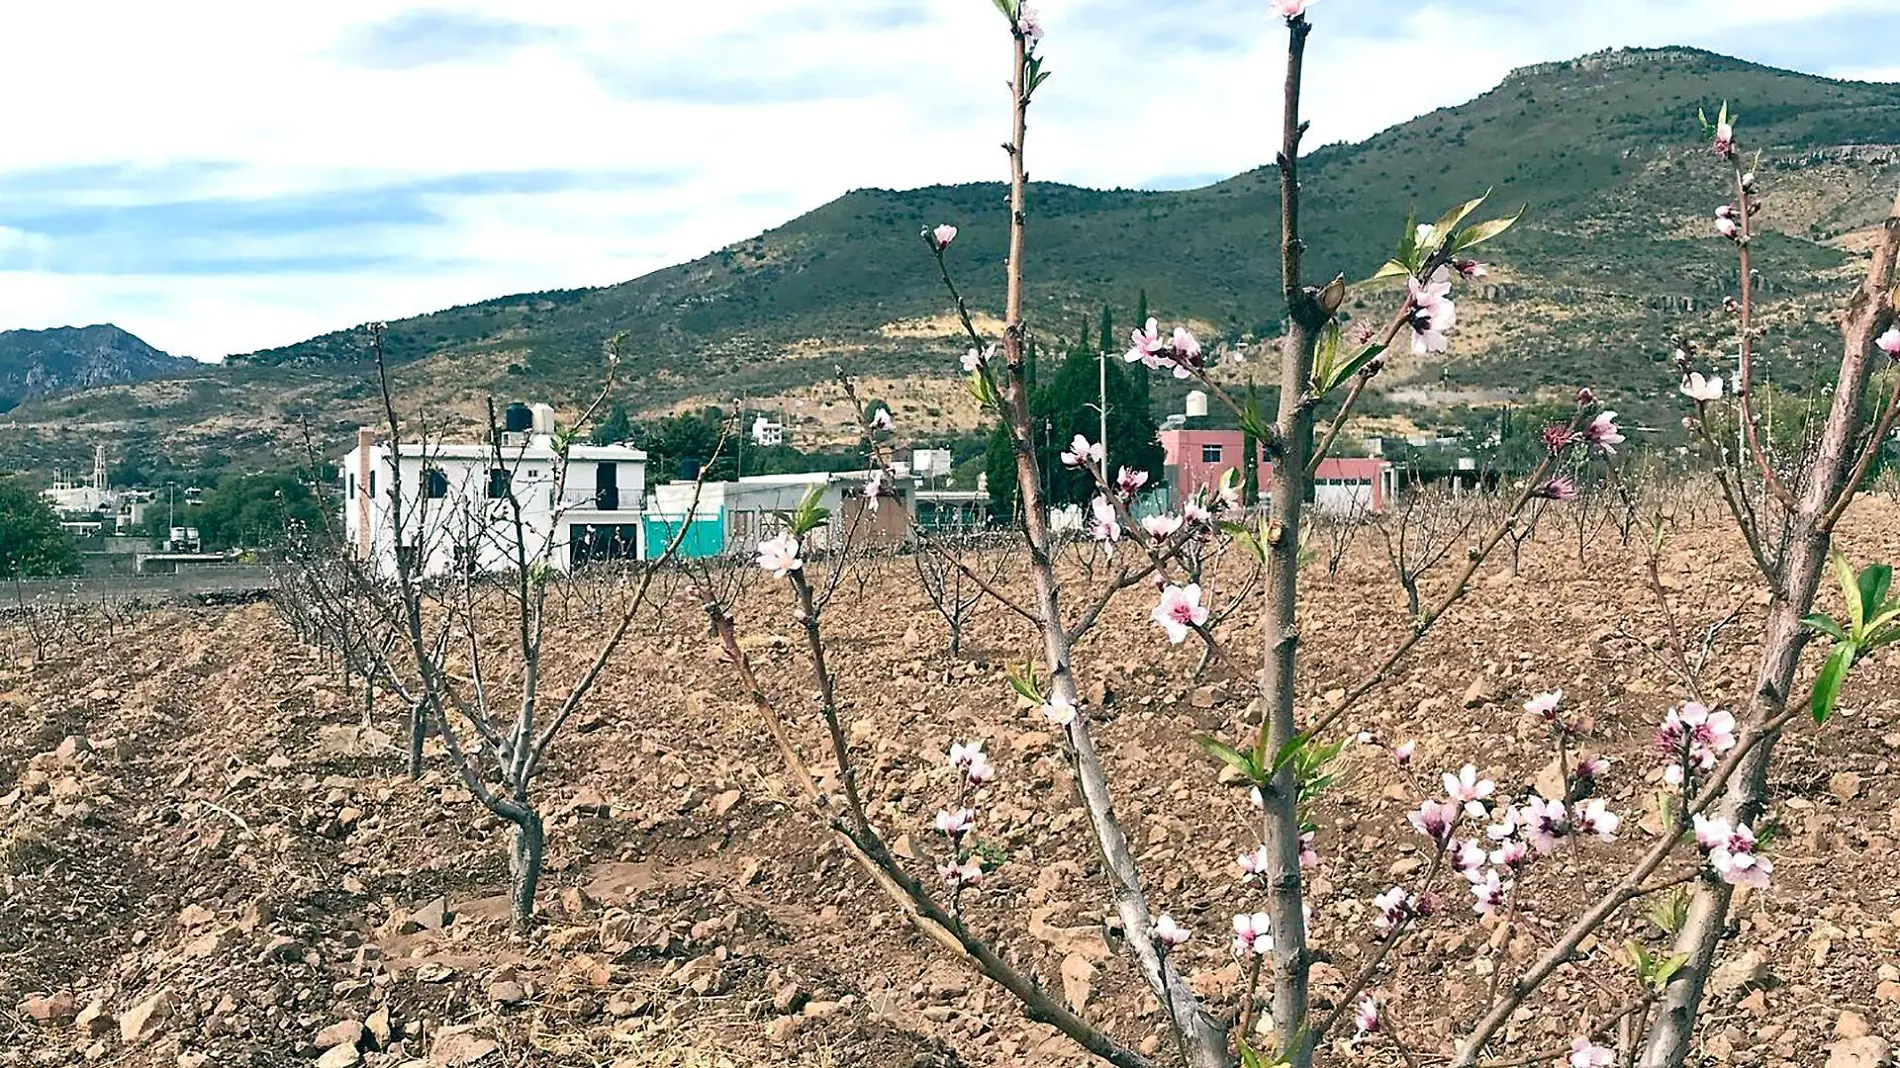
[(219, 177)]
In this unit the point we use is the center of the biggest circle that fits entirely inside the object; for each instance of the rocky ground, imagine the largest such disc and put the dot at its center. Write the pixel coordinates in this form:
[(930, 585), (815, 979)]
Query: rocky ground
[(209, 859)]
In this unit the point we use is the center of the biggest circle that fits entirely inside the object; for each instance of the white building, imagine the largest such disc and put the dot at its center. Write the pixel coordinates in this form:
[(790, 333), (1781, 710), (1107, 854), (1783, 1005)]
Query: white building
[(457, 501)]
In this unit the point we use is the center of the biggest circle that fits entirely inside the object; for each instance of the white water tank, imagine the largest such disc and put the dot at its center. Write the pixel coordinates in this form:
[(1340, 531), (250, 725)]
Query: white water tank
[(1196, 404), (543, 418)]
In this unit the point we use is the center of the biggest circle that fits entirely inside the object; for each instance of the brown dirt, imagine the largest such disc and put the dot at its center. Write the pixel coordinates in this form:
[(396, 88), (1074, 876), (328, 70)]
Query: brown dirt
[(229, 836)]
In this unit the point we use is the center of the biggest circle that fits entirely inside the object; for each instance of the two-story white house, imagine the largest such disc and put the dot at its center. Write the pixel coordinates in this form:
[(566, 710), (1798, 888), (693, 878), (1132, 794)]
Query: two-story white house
[(487, 507)]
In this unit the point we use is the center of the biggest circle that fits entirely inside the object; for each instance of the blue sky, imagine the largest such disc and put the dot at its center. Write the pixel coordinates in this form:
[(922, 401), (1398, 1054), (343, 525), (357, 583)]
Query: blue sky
[(222, 176)]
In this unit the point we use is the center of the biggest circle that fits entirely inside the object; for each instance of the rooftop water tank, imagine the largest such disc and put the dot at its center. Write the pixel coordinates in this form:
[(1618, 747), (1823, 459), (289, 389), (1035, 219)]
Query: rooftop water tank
[(1196, 404)]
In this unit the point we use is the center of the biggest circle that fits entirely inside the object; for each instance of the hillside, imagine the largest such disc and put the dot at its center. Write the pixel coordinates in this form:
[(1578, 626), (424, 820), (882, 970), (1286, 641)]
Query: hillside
[(1615, 255), (36, 363)]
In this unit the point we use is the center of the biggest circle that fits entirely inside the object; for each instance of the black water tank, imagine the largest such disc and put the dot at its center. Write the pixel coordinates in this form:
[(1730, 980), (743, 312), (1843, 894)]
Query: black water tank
[(517, 419), (689, 468)]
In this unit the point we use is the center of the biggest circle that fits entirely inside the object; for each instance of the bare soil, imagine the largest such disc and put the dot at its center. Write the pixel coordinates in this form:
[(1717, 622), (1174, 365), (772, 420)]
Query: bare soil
[(193, 819)]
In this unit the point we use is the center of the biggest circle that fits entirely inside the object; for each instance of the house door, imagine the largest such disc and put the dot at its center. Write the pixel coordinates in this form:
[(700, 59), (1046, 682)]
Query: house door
[(607, 487)]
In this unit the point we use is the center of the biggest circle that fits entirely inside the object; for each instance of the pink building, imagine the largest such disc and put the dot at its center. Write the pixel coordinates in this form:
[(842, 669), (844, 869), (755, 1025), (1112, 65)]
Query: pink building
[(1197, 458)]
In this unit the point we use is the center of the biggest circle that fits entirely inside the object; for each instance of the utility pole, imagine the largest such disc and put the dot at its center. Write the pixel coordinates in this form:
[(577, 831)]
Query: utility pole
[(1101, 386)]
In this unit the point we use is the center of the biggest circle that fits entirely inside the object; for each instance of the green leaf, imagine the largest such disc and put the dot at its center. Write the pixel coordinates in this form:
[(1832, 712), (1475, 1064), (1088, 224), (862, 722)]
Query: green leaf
[(1289, 751), (1449, 221), (1478, 233), (1008, 8), (1234, 758), (1850, 592), (810, 516), (1325, 351), (1025, 683), (1826, 625), (1392, 269), (1827, 685), (1666, 970), (1353, 365), (1873, 583)]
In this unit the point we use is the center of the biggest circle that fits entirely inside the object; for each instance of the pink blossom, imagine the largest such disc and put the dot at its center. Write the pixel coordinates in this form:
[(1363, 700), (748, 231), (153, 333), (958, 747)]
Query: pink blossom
[(1161, 527), (1365, 1015), (1604, 433), (1712, 833), (1184, 345), (1726, 211), (780, 555), (1702, 389), (1104, 525), (974, 361), (1029, 24), (1560, 488), (1543, 823), (969, 758), (1058, 710), (1404, 753), (1080, 453), (940, 237), (1179, 611), (1596, 818), (1594, 767), (1144, 346), (1544, 705), (955, 824), (1193, 511), (1395, 907), (1587, 1054), (874, 487), (1585, 397), (1466, 788), (1489, 892), (1724, 139), (1253, 864), (1434, 819), (1128, 481), (1889, 342), (1433, 312), (1511, 853), (957, 875), (1470, 268), (1253, 933), (1291, 9), (1557, 438), (1467, 856), (1169, 933), (1727, 228), (1309, 857), (1732, 852), (1706, 733)]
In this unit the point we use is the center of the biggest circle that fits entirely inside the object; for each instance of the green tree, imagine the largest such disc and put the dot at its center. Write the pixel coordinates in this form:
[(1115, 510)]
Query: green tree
[(1064, 408), (32, 543), (251, 511), (614, 429), (1108, 330)]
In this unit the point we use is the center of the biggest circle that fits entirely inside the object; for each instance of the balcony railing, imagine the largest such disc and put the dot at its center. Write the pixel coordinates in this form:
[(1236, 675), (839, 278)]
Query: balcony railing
[(602, 500)]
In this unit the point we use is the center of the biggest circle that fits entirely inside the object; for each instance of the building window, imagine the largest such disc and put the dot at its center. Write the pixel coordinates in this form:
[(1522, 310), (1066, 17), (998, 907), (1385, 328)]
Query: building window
[(497, 483), (435, 484), (1210, 454), (372, 482)]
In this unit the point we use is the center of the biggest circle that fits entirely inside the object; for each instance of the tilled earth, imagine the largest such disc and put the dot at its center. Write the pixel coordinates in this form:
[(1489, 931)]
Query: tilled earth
[(210, 859)]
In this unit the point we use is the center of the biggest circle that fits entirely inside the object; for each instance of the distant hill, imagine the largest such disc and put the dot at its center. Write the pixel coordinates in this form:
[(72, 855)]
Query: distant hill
[(1615, 254), (35, 363)]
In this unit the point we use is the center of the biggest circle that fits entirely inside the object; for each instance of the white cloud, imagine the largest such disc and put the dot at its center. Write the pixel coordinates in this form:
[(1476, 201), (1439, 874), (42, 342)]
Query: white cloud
[(355, 142)]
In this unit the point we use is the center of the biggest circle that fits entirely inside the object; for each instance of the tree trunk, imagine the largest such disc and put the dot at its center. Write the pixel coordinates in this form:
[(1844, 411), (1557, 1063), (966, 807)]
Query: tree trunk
[(524, 864), (418, 733), (1828, 480)]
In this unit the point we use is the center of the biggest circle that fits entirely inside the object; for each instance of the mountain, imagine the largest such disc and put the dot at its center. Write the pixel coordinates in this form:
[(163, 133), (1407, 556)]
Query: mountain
[(35, 363), (1615, 256)]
